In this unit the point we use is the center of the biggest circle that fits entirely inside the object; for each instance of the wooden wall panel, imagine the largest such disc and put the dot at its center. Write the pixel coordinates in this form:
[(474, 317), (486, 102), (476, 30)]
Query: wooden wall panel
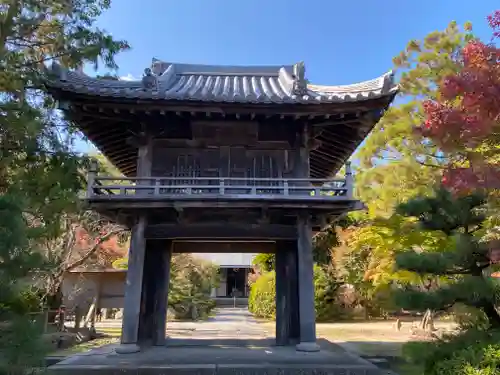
[(235, 162)]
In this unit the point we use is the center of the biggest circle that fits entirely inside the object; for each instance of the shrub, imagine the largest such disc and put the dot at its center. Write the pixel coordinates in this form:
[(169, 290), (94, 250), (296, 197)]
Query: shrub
[(262, 298), (326, 297), (470, 352), (261, 301), (265, 262)]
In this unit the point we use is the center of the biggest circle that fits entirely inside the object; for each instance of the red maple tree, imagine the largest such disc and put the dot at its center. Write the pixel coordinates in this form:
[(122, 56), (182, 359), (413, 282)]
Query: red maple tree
[(464, 121)]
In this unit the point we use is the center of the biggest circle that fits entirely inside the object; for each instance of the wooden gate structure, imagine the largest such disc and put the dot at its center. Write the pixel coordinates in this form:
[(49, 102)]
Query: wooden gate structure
[(215, 154)]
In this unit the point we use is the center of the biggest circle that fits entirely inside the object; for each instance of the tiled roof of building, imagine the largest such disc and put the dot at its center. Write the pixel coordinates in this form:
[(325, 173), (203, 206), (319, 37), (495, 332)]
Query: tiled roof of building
[(231, 84)]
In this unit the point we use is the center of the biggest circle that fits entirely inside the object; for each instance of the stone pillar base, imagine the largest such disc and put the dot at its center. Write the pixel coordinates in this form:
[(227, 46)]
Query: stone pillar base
[(307, 347), (127, 349)]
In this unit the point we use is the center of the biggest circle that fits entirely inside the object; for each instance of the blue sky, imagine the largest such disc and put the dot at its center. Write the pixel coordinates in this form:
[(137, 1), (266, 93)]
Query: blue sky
[(340, 41)]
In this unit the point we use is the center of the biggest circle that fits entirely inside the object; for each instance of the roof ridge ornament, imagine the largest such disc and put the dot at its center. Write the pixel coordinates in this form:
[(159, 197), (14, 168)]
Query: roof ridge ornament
[(149, 81), (299, 79)]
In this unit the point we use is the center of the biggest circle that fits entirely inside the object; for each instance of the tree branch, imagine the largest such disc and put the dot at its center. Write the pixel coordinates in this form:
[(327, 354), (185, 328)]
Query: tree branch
[(92, 250)]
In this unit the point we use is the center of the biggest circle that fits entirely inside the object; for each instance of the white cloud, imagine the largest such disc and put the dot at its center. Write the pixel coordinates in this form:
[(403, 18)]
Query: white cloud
[(128, 77)]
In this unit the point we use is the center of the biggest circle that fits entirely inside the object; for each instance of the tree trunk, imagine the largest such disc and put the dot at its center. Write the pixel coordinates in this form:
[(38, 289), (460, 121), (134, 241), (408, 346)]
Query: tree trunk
[(427, 322), (53, 302)]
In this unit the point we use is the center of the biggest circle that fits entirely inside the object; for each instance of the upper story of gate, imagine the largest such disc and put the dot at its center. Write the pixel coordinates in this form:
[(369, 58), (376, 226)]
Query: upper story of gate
[(185, 131)]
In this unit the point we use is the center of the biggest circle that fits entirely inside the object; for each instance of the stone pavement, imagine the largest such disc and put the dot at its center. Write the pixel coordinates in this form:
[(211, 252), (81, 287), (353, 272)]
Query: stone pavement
[(232, 342), (231, 323)]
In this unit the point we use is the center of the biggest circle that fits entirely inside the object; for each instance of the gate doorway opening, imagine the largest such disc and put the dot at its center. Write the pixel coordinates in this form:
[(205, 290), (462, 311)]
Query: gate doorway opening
[(236, 285)]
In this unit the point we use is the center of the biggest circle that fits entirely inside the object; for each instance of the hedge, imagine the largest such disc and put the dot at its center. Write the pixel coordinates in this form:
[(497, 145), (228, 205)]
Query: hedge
[(261, 301)]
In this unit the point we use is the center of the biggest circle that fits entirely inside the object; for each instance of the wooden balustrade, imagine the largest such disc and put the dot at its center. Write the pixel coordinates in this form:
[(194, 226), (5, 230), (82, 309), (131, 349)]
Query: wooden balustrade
[(208, 187)]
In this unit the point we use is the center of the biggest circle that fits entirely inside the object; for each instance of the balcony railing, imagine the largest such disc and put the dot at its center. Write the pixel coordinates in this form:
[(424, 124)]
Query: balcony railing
[(207, 187)]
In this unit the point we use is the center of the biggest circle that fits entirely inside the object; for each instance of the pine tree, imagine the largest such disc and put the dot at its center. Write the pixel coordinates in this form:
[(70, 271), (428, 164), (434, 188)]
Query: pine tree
[(21, 346), (457, 274)]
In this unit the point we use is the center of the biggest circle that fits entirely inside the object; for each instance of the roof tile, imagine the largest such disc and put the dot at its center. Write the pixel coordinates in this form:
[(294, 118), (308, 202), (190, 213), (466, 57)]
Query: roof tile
[(263, 84)]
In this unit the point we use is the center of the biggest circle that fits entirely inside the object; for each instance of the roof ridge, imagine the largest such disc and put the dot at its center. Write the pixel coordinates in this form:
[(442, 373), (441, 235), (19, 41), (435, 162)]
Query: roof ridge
[(159, 66)]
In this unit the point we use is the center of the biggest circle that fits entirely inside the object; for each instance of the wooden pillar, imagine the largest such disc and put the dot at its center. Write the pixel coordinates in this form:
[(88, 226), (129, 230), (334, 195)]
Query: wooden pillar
[(153, 316), (282, 302), (162, 289), (307, 314), (305, 263), (287, 295), (293, 293), (136, 258), (133, 289)]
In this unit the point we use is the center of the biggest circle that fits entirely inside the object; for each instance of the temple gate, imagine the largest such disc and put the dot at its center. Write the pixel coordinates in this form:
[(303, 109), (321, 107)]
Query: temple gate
[(217, 157)]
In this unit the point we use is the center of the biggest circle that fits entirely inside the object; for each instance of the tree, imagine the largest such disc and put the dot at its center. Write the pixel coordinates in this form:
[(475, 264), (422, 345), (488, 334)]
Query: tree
[(20, 342), (36, 156), (41, 176), (191, 283), (85, 240), (264, 262), (366, 256), (461, 264), (395, 162), (464, 118)]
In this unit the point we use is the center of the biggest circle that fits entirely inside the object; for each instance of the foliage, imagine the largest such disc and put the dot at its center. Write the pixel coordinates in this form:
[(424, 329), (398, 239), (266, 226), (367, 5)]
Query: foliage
[(395, 163), (462, 263), (327, 301), (87, 240), (323, 242), (18, 260), (36, 157), (262, 298), (19, 337), (365, 259), (22, 345), (322, 245), (40, 175), (469, 352), (264, 262), (464, 118), (191, 282)]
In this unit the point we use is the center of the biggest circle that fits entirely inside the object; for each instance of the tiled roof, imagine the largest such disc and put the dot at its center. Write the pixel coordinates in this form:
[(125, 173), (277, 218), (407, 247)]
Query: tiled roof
[(236, 84)]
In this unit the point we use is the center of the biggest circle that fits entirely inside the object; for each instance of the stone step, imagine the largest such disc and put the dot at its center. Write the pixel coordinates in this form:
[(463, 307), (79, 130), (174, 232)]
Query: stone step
[(214, 357), (218, 369)]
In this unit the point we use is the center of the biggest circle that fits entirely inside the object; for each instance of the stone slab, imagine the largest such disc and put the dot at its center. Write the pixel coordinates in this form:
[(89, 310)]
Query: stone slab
[(215, 357)]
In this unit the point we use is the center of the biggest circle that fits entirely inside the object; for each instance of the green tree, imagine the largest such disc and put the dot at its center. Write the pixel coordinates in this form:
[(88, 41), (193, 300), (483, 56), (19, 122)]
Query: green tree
[(36, 144), (395, 163), (41, 176), (20, 338), (191, 282), (365, 258), (462, 264)]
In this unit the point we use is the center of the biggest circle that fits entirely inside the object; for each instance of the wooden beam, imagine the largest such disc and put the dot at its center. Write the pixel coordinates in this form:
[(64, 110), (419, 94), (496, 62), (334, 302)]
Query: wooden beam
[(222, 232), (223, 247), (227, 108)]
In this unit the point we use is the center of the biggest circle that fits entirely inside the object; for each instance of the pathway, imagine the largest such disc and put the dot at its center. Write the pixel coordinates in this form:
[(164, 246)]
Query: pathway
[(228, 323)]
